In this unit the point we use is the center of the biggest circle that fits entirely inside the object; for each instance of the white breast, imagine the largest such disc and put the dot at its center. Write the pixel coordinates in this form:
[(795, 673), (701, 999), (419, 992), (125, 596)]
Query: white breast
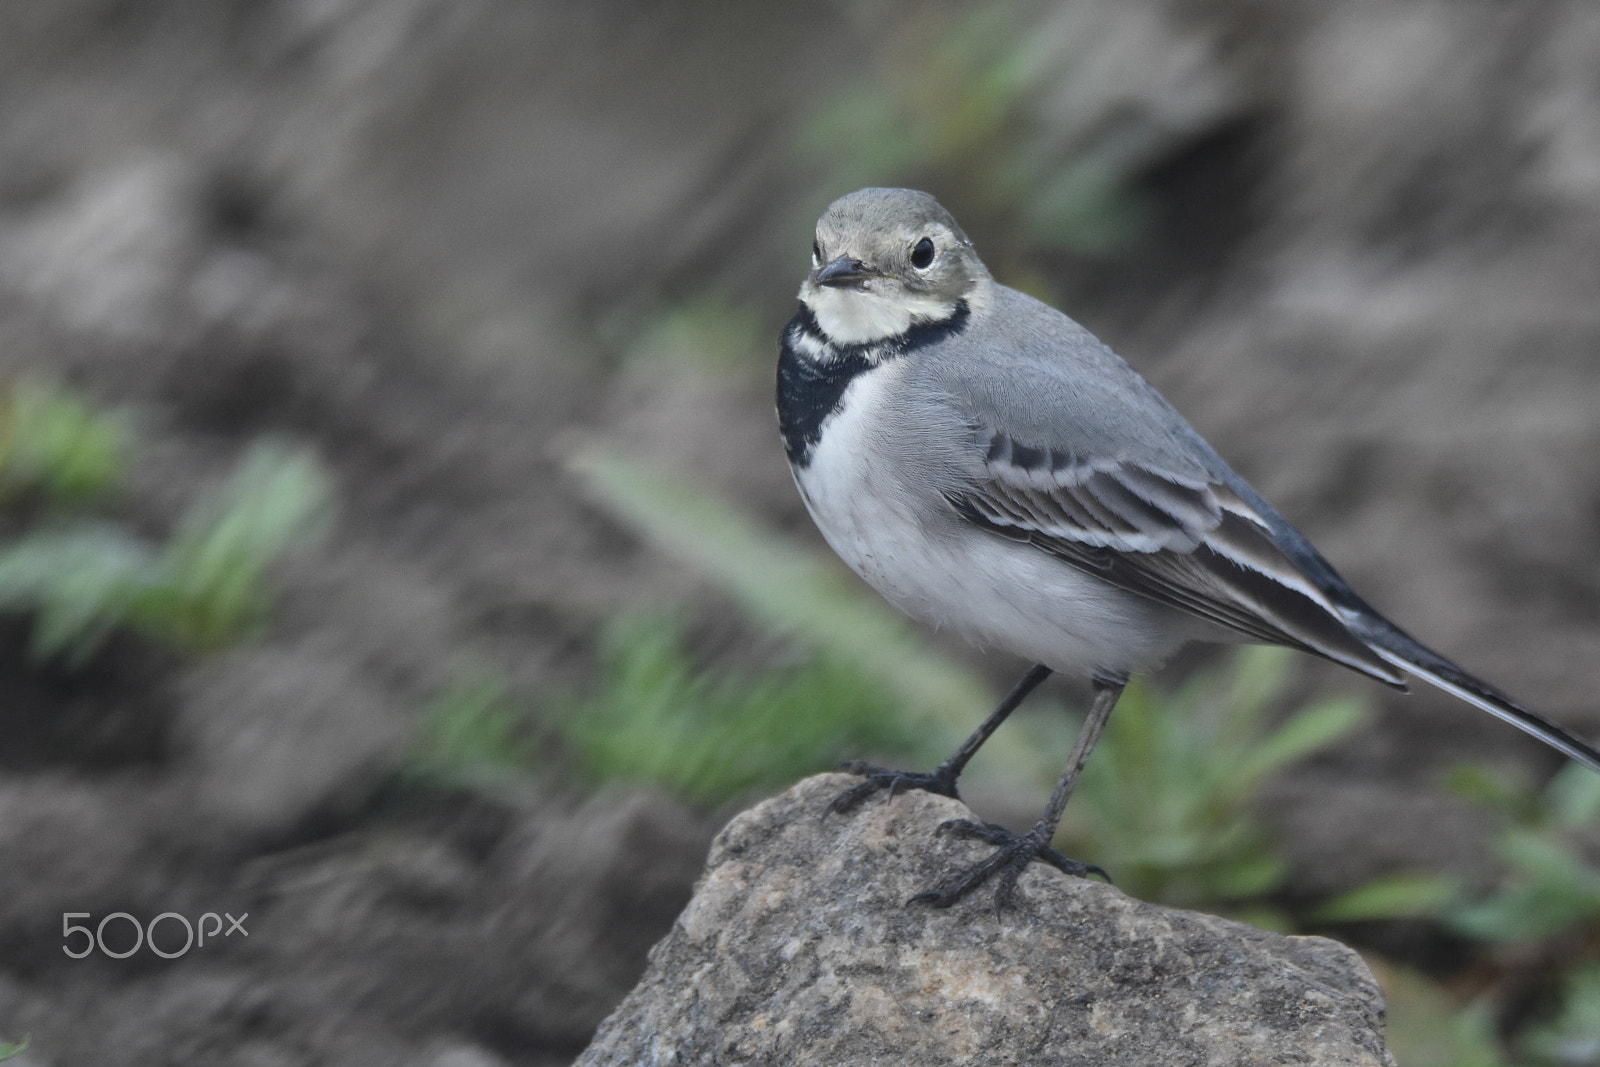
[(857, 505), (994, 591)]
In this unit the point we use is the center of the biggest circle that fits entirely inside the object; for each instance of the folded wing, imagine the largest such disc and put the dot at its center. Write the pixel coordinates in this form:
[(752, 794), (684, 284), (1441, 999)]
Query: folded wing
[(1188, 542)]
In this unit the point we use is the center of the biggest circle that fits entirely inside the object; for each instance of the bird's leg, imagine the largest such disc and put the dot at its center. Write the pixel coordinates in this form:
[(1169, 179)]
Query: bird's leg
[(942, 779), (1015, 851)]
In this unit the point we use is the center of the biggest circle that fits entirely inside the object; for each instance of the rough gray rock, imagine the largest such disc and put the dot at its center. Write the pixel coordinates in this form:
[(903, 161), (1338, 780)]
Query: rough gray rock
[(798, 949)]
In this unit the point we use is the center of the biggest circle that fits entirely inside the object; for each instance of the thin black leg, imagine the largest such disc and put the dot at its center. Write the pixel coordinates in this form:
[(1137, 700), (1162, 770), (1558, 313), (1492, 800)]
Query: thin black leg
[(942, 779), (969, 748), (1014, 852)]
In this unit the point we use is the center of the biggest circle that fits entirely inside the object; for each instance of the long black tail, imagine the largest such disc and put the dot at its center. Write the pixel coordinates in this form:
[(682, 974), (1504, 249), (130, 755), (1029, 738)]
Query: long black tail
[(1404, 652)]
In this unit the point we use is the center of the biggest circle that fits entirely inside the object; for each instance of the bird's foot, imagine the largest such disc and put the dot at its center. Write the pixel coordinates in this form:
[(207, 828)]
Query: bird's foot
[(1013, 853), (939, 781)]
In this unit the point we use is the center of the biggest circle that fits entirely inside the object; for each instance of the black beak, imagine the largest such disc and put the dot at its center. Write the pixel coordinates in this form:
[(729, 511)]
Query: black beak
[(845, 271)]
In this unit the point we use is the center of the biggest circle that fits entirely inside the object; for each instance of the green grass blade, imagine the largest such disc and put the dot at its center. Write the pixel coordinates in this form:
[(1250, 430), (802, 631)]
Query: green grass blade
[(1304, 733), (1397, 896), (78, 582), (1574, 797), (782, 585), (216, 563), (52, 440)]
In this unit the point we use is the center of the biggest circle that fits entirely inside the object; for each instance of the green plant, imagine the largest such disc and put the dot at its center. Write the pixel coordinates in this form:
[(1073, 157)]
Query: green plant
[(1404, 895), (1165, 804), (8, 1051), (656, 718), (1545, 909), (1552, 883), (1427, 1027), (78, 577), (53, 443), (210, 579), (1549, 888), (1547, 904), (474, 733), (1572, 1037)]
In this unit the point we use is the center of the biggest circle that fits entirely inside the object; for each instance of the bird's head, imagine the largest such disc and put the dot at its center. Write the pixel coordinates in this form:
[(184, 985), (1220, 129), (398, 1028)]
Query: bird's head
[(887, 259)]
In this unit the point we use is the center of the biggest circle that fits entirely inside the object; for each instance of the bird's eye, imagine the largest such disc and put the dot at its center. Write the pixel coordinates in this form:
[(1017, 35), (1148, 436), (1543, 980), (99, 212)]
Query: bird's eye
[(922, 254), (816, 251)]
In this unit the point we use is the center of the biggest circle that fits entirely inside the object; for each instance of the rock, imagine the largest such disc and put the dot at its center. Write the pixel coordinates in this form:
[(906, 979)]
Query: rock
[(798, 948)]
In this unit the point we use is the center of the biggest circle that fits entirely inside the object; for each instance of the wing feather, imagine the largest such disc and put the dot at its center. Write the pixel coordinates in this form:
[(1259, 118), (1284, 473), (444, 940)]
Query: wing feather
[(1194, 545)]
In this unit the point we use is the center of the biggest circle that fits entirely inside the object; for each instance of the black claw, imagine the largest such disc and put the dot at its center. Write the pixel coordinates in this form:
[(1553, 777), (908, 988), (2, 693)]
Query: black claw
[(1003, 893), (849, 799), (881, 778), (1072, 866), (1013, 853), (966, 882), (981, 831)]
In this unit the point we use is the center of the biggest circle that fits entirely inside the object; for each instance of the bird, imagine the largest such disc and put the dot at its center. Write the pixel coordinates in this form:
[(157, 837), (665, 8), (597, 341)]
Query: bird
[(990, 467)]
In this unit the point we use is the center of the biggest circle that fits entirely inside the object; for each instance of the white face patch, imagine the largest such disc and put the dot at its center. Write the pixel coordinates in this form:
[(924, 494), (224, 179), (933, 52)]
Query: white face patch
[(852, 316)]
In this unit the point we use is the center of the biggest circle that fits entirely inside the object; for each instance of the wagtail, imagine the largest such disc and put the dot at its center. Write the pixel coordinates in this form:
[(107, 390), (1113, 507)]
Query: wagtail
[(988, 465)]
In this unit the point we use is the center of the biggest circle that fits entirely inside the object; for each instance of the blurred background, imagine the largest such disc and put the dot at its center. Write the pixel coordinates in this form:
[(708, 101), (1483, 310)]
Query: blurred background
[(396, 546)]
